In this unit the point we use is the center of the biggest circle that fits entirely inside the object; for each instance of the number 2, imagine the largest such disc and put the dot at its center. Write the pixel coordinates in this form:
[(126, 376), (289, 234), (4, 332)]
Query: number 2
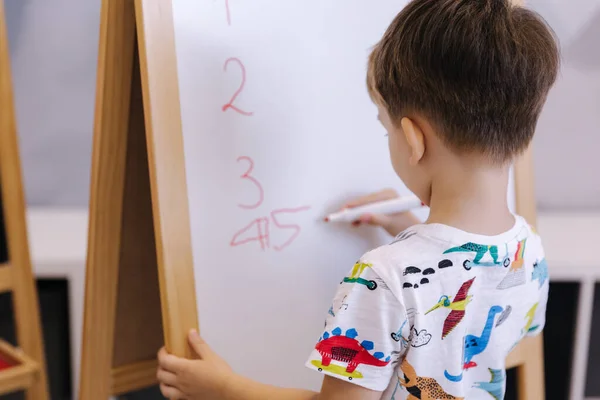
[(246, 175), (239, 90)]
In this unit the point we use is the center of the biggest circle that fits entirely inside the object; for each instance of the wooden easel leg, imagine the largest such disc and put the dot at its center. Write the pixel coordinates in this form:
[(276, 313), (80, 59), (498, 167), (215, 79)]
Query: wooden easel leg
[(27, 321), (25, 298), (113, 90), (530, 375), (138, 323)]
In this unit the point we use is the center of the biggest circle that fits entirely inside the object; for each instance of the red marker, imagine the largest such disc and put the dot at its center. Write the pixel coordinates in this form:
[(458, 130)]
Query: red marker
[(393, 206)]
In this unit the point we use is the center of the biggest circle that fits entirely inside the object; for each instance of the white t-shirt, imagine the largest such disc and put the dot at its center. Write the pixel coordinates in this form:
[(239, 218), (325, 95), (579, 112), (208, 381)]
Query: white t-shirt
[(435, 313)]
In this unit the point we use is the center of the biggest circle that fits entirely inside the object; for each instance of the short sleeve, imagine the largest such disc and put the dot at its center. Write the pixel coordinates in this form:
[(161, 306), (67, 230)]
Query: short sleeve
[(366, 331), (540, 278)]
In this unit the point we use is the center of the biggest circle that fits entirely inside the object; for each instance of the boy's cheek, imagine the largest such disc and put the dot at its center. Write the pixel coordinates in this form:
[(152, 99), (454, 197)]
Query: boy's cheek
[(400, 157)]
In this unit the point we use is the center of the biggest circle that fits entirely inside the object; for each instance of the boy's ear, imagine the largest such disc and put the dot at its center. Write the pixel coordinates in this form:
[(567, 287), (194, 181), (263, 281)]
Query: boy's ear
[(415, 138)]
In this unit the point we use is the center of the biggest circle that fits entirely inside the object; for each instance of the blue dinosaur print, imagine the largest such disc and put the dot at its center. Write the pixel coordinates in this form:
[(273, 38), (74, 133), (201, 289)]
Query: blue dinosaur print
[(397, 336), (474, 345), (540, 272), (495, 387)]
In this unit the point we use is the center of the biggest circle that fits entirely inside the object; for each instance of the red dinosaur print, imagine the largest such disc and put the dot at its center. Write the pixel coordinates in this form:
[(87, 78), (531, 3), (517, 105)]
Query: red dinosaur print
[(349, 351)]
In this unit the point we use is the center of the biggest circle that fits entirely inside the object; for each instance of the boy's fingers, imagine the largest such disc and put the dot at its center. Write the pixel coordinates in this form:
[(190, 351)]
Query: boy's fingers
[(171, 393), (169, 362), (375, 219), (165, 377), (198, 344), (386, 194)]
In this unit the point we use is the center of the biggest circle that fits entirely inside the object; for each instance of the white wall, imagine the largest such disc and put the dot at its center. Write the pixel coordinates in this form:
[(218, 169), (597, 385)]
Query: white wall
[(567, 142), (54, 47)]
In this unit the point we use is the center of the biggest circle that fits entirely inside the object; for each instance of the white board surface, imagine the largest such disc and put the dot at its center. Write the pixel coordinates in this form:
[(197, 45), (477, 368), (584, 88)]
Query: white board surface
[(300, 137)]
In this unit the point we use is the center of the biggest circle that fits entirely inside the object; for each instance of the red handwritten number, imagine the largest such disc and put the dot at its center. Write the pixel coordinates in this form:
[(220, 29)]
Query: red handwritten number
[(237, 93), (246, 175), (293, 227), (262, 236), (228, 13), (261, 224)]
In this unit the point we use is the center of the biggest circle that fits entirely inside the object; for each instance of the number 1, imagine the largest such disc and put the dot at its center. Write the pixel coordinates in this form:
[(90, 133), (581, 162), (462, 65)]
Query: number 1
[(228, 13)]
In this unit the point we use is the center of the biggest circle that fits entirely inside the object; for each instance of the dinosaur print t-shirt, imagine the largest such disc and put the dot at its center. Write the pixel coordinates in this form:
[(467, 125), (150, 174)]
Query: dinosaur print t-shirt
[(434, 314)]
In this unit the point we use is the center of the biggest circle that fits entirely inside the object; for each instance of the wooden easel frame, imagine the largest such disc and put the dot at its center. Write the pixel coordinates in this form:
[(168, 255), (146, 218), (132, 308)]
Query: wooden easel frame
[(16, 275), (139, 204), (139, 234), (528, 357)]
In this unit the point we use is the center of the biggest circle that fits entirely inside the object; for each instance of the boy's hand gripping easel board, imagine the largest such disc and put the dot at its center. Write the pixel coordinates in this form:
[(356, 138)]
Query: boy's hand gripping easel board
[(140, 274)]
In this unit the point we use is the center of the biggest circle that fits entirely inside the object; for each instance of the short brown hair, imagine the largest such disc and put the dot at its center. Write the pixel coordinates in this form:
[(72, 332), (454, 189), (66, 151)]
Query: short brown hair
[(479, 69)]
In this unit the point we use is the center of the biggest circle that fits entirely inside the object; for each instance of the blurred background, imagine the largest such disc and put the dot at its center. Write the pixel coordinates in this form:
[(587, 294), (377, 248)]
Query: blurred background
[(54, 48), (54, 52)]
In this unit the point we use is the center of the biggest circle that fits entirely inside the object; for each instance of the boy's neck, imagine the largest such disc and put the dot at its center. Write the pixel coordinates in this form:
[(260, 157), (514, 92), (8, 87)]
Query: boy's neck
[(472, 199)]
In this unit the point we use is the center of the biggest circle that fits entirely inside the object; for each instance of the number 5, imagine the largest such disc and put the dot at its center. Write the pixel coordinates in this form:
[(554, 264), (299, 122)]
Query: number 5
[(293, 227)]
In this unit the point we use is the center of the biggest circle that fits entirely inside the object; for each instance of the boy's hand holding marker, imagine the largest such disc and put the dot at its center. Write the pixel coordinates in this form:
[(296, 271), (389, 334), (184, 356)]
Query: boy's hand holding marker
[(378, 211)]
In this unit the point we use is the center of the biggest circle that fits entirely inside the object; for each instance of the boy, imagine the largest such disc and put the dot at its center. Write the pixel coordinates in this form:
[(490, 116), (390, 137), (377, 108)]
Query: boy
[(459, 85)]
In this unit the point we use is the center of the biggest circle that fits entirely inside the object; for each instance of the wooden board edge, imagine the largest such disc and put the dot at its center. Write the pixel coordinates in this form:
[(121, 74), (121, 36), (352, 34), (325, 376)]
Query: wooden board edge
[(525, 187), (160, 87), (6, 279), (528, 357)]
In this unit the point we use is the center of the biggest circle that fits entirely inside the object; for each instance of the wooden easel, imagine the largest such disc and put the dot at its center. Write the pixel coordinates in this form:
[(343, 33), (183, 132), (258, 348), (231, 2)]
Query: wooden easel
[(139, 254), (139, 281), (29, 372), (528, 357)]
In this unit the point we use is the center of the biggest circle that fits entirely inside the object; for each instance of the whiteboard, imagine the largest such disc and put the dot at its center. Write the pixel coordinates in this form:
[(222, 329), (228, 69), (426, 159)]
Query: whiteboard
[(278, 130)]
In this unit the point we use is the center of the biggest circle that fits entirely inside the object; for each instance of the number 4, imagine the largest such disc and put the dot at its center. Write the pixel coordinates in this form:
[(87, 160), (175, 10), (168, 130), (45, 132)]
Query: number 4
[(262, 236)]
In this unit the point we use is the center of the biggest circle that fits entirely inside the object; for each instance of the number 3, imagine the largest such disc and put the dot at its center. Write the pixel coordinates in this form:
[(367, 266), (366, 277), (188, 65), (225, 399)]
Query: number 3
[(237, 93), (246, 175)]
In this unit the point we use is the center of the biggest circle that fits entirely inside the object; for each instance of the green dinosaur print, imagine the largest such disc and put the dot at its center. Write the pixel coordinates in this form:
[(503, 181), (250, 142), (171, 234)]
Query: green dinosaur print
[(480, 251), (495, 387), (357, 272)]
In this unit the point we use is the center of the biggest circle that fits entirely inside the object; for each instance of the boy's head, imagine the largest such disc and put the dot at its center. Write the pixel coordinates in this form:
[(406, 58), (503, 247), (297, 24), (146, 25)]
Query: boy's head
[(460, 78)]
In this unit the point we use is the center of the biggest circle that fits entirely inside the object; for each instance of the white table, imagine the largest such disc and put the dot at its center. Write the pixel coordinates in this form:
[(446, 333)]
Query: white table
[(570, 240), (58, 240)]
